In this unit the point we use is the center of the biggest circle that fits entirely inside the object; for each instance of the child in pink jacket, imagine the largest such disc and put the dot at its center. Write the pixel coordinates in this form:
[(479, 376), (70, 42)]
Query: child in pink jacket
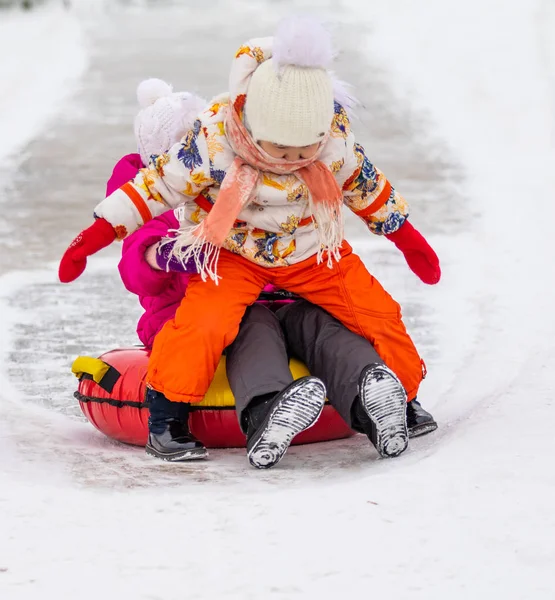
[(161, 281)]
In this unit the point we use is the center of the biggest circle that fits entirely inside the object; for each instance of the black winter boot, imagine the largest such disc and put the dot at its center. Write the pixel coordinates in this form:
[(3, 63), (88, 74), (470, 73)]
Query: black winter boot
[(169, 437), (380, 410), (419, 421), (273, 422)]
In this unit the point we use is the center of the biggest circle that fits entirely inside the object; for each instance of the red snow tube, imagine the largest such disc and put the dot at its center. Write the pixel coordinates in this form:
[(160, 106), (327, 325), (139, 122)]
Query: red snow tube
[(112, 390)]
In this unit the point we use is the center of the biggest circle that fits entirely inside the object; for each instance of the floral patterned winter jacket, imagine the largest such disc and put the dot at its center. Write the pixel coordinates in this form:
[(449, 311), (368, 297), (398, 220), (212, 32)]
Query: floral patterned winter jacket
[(276, 228)]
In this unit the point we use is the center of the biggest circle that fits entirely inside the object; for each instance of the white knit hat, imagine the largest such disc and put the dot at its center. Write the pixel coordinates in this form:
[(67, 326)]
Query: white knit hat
[(165, 117), (290, 98)]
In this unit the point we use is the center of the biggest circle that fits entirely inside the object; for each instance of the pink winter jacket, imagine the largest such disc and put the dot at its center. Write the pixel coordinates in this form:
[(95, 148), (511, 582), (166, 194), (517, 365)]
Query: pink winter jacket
[(125, 170), (160, 293)]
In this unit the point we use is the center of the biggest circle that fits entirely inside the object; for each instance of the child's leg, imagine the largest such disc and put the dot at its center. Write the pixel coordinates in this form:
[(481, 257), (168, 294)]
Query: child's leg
[(271, 406), (330, 351), (351, 295), (169, 436), (187, 350), (257, 362), (367, 394), (338, 356)]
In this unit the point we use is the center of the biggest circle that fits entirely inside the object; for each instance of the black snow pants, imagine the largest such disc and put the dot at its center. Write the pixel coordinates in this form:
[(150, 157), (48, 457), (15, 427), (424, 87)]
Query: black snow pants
[(258, 359)]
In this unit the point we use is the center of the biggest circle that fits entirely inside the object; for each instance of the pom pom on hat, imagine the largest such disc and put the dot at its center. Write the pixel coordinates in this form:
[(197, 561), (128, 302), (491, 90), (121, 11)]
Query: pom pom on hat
[(165, 117), (151, 90), (302, 42)]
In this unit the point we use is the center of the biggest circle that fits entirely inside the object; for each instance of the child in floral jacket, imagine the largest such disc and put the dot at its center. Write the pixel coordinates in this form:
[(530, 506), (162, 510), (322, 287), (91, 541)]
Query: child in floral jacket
[(257, 361), (274, 161)]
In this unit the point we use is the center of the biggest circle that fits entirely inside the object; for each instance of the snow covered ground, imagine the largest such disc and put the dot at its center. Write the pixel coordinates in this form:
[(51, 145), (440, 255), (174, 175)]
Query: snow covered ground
[(467, 512), (42, 57)]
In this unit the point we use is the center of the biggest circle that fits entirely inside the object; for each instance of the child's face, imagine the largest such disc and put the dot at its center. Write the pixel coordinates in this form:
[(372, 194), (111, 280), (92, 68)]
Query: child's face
[(290, 153)]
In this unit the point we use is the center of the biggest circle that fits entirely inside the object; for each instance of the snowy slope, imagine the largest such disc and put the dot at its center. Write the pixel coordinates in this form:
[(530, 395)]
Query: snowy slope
[(493, 99), (42, 55), (467, 513)]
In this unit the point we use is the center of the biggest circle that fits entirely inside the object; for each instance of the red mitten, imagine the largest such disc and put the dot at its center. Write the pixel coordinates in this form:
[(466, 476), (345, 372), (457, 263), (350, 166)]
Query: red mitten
[(99, 235), (420, 257)]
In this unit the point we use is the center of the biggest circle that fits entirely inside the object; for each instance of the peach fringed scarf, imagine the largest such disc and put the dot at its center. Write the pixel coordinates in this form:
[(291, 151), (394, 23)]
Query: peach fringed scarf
[(203, 242)]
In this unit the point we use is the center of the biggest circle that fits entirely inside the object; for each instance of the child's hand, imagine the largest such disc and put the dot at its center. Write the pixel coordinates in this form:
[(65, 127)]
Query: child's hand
[(99, 235), (420, 256), (166, 261), (151, 256)]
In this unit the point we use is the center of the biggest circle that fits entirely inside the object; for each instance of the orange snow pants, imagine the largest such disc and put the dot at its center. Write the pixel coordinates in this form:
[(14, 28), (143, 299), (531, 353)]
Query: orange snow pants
[(187, 350)]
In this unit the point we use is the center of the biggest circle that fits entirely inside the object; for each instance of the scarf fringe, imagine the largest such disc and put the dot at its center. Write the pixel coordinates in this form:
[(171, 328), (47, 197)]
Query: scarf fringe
[(190, 243), (332, 254), (330, 226)]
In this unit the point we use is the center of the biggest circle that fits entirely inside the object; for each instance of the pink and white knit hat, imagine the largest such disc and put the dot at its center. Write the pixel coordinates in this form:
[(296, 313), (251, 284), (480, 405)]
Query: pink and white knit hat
[(164, 118)]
